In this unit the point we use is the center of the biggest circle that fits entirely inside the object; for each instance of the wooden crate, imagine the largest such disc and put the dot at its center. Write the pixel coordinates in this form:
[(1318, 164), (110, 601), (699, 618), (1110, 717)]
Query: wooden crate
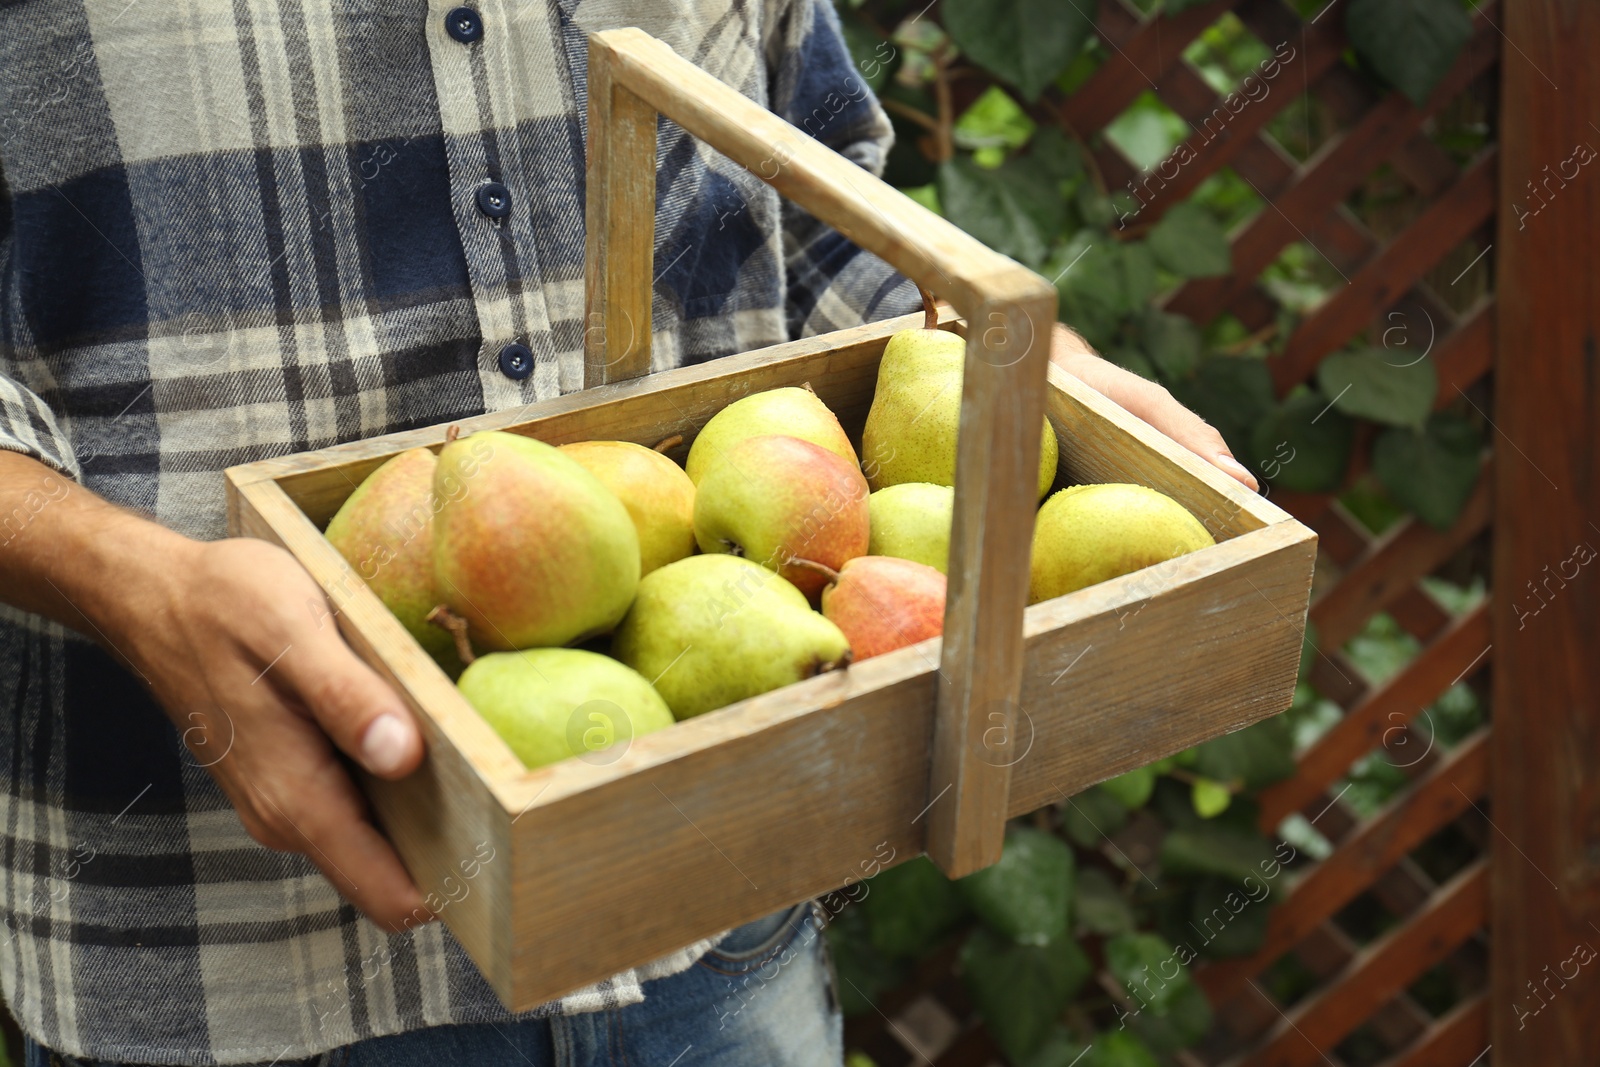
[(720, 819)]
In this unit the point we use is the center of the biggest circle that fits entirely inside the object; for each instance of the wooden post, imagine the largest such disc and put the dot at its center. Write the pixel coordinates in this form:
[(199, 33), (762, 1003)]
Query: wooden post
[(1545, 889)]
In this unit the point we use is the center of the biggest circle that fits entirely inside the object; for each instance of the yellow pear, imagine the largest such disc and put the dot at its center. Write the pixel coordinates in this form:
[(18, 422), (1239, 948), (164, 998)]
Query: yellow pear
[(657, 493), (1089, 533)]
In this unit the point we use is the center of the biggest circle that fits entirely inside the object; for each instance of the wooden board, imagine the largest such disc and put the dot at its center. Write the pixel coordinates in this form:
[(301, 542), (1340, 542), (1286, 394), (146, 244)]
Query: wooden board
[(1545, 863)]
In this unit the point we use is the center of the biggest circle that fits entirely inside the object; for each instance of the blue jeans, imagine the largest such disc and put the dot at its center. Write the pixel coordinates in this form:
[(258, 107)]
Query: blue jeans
[(763, 997)]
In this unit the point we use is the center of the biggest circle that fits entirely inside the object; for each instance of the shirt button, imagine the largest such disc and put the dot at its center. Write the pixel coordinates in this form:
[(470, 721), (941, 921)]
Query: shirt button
[(494, 200), (464, 24), (516, 361)]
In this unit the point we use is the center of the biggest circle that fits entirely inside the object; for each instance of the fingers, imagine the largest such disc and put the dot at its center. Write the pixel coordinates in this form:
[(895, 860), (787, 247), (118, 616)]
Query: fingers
[(362, 714), (1155, 405), (327, 824)]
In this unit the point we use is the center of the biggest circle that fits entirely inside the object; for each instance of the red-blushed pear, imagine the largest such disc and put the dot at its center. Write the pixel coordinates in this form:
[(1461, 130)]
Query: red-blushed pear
[(384, 530), (657, 493), (528, 546), (792, 410), (881, 603), (774, 499)]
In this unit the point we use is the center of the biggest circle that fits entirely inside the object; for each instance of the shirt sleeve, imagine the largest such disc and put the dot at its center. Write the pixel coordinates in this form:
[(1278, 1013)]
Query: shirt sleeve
[(832, 284), (27, 425)]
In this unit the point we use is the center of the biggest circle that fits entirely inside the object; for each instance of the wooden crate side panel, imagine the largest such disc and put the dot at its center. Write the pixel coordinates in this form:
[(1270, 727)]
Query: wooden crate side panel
[(783, 807), (1133, 670), (444, 819)]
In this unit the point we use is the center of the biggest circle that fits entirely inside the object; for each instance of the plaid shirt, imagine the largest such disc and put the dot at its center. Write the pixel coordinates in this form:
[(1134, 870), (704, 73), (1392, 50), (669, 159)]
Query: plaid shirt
[(237, 230)]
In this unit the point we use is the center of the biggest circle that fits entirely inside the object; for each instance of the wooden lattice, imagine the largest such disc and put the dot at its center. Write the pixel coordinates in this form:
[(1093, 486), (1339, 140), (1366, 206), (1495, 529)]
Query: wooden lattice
[(1430, 265)]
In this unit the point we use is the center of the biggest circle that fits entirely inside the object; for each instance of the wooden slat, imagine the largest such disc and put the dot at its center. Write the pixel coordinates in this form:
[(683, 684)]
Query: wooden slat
[(1392, 566), (1390, 707), (1137, 63), (1336, 171), (1405, 822), (1210, 149), (1466, 355), (1546, 694), (1383, 968), (1445, 224), (620, 227), (1459, 1038)]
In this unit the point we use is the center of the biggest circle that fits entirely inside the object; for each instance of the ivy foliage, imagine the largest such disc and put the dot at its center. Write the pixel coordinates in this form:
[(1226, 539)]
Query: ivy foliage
[(1073, 951)]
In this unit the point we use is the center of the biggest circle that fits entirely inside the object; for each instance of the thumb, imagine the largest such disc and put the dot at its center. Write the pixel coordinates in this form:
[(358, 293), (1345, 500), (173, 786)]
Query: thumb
[(360, 712)]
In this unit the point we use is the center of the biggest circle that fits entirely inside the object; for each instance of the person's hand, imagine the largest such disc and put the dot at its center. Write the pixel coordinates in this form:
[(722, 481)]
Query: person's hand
[(1147, 400), (237, 643)]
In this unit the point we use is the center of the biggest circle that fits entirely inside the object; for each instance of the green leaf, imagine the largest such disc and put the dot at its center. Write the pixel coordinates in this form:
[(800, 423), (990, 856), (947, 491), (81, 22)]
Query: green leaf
[(1215, 848), (1119, 1048), (1365, 385), (993, 121), (1139, 281), (1027, 895), (1020, 989), (1132, 789), (874, 57), (1431, 472), (1099, 906), (1148, 968), (1171, 342), (1015, 209), (1026, 42), (864, 973), (1411, 43), (1187, 1020), (1190, 243), (1305, 444), (1059, 1049), (1230, 918), (1232, 393), (1060, 155), (1210, 798), (1258, 755), (1090, 816), (911, 906), (1173, 7)]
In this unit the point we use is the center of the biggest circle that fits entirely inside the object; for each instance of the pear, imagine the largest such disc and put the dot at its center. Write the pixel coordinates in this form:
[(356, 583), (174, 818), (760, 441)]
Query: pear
[(910, 434), (528, 546), (775, 499), (1089, 533), (793, 411), (711, 630), (881, 603), (657, 493), (385, 531), (551, 703), (912, 521)]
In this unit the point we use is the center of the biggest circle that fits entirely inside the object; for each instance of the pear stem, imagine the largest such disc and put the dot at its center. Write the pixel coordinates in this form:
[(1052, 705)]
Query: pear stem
[(820, 568), (668, 443), (448, 620), (452, 432), (930, 310)]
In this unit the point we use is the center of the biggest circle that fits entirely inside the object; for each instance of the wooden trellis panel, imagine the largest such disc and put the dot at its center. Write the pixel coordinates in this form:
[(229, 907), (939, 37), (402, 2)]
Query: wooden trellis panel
[(1359, 986)]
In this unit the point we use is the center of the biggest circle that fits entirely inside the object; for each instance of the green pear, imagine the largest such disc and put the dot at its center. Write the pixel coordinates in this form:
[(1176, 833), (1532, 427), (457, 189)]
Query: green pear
[(777, 499), (528, 546), (712, 630), (1089, 533), (385, 531), (912, 521), (793, 411), (911, 428), (551, 703), (657, 493)]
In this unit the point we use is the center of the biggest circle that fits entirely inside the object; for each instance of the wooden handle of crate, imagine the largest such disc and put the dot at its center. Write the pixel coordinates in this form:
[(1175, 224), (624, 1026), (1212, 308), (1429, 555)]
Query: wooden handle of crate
[(1010, 312)]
